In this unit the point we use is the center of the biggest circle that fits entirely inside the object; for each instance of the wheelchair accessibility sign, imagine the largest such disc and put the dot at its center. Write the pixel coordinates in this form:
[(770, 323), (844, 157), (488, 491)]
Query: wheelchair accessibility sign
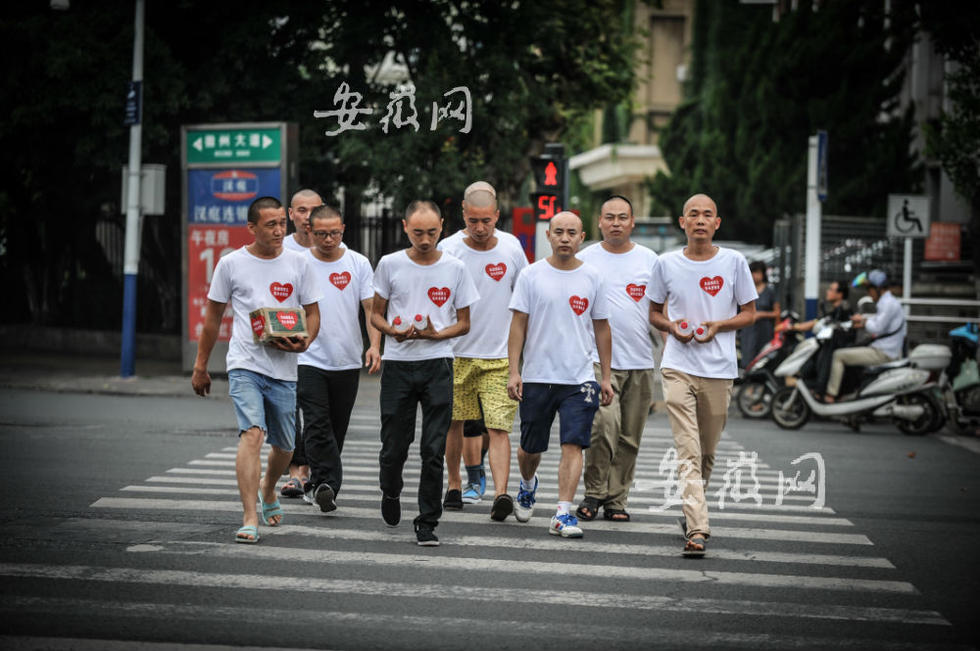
[(908, 215)]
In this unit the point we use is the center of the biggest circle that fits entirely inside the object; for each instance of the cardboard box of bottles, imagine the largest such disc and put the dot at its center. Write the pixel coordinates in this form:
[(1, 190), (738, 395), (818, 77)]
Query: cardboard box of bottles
[(270, 323)]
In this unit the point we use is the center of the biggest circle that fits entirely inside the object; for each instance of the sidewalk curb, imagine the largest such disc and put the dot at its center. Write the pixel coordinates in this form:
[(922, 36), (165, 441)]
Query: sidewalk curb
[(173, 387)]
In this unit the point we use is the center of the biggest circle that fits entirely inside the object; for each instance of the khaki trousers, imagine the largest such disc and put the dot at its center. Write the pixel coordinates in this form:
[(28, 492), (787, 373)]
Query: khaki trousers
[(860, 356), (698, 410), (610, 460)]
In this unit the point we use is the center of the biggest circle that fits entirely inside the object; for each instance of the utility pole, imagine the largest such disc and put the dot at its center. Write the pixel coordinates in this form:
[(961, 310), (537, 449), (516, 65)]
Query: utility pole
[(131, 259), (816, 193)]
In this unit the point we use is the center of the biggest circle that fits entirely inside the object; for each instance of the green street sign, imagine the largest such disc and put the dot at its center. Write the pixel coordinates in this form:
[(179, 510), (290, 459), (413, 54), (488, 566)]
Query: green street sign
[(234, 145)]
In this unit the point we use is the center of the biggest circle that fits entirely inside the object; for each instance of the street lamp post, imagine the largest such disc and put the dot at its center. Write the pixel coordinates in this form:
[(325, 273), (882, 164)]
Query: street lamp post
[(131, 259)]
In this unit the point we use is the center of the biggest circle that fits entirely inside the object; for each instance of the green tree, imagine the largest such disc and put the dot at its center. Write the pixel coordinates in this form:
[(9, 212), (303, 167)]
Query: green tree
[(758, 89), (528, 66)]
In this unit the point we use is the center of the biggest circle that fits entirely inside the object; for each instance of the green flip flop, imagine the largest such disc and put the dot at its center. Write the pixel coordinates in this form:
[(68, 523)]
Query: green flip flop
[(270, 510), (243, 533)]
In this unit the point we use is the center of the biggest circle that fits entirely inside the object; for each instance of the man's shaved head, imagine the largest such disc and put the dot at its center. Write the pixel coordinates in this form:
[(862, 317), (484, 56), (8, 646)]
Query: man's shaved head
[(480, 195), (567, 219), (700, 197), (305, 193)]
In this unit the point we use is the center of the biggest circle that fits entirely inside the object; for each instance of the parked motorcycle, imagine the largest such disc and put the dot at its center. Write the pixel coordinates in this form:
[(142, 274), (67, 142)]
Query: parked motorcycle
[(961, 391), (758, 385), (902, 391)]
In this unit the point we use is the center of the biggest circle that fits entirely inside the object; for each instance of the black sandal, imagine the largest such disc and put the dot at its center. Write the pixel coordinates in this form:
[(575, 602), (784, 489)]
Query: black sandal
[(696, 546), (588, 509), (616, 515)]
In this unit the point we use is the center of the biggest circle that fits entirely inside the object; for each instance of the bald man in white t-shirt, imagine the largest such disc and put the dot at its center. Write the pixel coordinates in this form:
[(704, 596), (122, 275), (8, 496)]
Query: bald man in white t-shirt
[(610, 461), (711, 289), (554, 301), (480, 370), (422, 300)]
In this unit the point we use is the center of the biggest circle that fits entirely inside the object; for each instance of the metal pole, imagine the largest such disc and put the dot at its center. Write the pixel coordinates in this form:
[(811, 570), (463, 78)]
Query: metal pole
[(813, 215), (131, 260), (907, 275)]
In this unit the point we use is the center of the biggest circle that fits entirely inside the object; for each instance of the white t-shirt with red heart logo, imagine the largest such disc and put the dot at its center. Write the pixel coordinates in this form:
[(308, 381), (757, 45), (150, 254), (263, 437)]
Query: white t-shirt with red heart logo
[(248, 283), (560, 306), (343, 283), (435, 291), (706, 290), (625, 277), (494, 272)]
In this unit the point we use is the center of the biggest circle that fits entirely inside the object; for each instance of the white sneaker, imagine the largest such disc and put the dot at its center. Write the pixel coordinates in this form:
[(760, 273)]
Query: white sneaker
[(565, 525), (524, 506), (308, 497)]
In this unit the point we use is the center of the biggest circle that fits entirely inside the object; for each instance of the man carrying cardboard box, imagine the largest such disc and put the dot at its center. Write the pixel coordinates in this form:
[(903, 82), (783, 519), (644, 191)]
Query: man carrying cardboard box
[(261, 377)]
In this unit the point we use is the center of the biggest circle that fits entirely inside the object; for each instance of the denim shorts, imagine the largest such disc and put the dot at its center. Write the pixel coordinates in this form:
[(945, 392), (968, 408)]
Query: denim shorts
[(575, 404), (264, 402)]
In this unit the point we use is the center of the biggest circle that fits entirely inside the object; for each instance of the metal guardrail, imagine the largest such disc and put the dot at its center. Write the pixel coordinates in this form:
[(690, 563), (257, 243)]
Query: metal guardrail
[(941, 302)]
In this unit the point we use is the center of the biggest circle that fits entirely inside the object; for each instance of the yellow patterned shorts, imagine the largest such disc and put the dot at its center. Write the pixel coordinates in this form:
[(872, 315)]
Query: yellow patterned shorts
[(482, 383)]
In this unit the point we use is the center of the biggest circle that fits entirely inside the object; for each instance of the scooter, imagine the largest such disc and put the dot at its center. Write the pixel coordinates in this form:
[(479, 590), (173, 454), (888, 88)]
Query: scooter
[(758, 385), (901, 391), (961, 391)]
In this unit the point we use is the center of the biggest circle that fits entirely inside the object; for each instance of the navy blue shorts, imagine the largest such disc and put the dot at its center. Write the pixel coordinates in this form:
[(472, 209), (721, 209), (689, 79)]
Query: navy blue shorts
[(575, 404)]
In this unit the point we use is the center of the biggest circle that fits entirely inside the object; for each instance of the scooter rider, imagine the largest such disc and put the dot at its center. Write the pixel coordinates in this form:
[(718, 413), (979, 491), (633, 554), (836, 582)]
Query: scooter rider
[(834, 306), (887, 326)]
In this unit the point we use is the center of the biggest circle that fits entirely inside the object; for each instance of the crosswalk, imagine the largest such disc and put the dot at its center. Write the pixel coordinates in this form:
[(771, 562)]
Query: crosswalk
[(775, 576)]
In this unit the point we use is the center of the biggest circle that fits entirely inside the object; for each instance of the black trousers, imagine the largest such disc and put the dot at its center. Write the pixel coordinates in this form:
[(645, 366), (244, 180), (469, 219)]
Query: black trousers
[(404, 385), (326, 399)]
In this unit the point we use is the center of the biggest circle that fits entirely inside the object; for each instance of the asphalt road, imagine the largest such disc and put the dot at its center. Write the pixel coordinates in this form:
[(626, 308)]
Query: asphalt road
[(119, 512)]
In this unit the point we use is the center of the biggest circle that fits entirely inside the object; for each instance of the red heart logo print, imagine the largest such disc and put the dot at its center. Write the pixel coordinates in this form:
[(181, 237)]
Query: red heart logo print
[(712, 285), (288, 319), (340, 280), (636, 291), (281, 292), (496, 271), (439, 295), (258, 325), (578, 304)]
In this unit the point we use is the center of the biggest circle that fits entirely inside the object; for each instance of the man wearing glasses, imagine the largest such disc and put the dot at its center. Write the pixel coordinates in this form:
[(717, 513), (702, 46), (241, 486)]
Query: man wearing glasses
[(330, 369)]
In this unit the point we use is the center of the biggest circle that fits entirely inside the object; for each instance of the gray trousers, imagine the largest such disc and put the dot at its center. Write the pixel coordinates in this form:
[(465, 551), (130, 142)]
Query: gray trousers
[(860, 356)]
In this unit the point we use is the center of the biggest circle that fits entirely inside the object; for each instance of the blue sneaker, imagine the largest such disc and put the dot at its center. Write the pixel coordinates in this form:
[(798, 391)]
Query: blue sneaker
[(471, 494), (565, 525), (525, 502), (483, 481)]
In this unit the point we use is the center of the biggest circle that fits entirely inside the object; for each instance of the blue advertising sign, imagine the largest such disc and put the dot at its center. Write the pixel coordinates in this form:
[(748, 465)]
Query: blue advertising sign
[(222, 196)]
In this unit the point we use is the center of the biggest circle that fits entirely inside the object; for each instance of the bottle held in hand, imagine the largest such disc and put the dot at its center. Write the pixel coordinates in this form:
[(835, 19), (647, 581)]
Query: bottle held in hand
[(400, 325), (700, 331)]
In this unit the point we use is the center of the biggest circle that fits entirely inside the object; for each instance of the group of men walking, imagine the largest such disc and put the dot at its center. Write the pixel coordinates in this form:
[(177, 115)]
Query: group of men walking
[(473, 334)]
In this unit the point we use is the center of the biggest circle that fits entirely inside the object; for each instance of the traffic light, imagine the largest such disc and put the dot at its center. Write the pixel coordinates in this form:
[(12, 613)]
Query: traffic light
[(545, 206), (547, 175), (549, 179)]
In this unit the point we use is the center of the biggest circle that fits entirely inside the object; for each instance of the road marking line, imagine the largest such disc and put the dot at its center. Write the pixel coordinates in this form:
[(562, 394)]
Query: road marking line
[(619, 601), (354, 485), (354, 512), (715, 514), (411, 481), (511, 632), (524, 567)]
